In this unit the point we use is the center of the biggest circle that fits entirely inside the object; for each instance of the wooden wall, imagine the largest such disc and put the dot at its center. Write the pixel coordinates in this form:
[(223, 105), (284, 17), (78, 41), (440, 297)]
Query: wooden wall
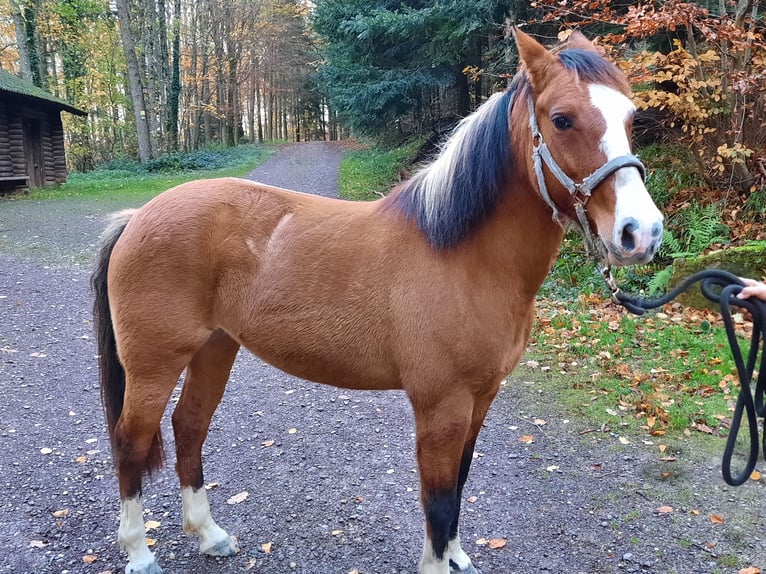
[(48, 140)]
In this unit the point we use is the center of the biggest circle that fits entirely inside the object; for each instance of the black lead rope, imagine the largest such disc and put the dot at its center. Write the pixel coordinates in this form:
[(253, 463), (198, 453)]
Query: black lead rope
[(722, 287)]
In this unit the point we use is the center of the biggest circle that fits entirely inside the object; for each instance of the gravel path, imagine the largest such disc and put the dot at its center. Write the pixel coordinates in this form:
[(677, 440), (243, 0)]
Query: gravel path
[(330, 474)]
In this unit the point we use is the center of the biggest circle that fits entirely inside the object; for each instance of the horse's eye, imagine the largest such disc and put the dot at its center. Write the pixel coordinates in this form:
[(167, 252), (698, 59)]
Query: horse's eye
[(562, 123)]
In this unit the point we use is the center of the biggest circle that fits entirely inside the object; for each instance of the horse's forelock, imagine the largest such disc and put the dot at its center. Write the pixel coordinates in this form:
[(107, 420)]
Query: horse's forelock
[(592, 67)]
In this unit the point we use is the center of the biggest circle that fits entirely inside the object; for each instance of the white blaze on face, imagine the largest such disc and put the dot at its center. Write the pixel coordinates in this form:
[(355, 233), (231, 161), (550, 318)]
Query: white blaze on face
[(632, 199)]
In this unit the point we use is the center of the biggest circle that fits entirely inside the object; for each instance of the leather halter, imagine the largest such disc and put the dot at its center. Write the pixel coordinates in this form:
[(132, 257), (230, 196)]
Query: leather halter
[(580, 192)]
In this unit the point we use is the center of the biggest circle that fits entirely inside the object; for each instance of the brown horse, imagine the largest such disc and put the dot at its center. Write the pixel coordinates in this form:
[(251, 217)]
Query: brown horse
[(430, 289)]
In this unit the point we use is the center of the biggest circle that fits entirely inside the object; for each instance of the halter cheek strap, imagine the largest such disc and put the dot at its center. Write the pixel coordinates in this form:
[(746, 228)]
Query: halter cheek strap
[(582, 191)]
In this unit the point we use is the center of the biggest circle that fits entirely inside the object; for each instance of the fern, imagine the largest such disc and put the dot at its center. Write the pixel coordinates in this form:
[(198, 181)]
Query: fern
[(671, 247), (703, 227), (660, 281), (700, 226)]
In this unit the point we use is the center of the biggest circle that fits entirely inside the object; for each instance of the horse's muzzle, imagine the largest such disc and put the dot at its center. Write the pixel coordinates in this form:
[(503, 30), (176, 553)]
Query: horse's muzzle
[(634, 243)]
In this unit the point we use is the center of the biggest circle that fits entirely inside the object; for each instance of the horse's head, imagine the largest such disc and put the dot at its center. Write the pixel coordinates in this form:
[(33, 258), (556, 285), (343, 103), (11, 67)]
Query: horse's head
[(581, 118)]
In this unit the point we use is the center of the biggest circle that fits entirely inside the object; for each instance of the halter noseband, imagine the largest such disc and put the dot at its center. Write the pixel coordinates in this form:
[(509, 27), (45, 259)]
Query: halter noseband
[(580, 192)]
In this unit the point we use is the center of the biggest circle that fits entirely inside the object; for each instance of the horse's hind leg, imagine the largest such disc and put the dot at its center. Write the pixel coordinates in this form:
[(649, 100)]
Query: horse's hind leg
[(138, 449), (204, 385)]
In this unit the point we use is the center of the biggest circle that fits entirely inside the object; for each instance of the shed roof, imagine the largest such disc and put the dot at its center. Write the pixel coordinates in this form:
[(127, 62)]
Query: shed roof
[(11, 83)]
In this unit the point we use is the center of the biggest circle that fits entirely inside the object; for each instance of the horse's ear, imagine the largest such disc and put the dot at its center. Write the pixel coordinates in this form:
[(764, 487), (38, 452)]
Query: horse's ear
[(578, 40), (535, 57)]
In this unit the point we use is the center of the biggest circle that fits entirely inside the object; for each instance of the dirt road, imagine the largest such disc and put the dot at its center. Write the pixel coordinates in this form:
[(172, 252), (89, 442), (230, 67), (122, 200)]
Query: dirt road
[(330, 474)]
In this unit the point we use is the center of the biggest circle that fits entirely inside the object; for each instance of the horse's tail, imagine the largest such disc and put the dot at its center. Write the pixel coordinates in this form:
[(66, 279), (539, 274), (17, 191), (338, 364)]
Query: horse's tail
[(111, 371)]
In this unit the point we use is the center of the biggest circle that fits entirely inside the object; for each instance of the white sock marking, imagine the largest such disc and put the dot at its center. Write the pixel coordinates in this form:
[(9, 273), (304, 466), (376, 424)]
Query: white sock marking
[(132, 535), (430, 564), (199, 521)]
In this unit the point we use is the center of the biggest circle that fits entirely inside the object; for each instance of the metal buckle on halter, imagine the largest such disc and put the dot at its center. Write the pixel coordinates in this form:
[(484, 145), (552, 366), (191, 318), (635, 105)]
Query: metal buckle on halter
[(580, 193), (606, 273)]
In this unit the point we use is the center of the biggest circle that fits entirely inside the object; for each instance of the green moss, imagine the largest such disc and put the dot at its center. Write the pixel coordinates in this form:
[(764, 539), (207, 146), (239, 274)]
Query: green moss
[(745, 261)]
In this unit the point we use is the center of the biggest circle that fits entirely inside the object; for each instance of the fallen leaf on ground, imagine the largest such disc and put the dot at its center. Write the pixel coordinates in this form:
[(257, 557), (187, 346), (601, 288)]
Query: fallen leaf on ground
[(527, 439), (268, 443), (472, 499), (623, 440), (337, 532), (750, 570), (665, 509), (266, 547), (482, 541), (37, 544), (755, 475), (151, 541), (61, 513), (237, 498), (151, 525), (716, 519), (89, 558), (497, 543), (540, 422), (81, 459), (211, 485)]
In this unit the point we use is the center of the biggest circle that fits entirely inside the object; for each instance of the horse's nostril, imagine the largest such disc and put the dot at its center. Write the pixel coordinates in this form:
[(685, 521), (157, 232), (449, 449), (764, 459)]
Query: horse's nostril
[(627, 238), (657, 229)]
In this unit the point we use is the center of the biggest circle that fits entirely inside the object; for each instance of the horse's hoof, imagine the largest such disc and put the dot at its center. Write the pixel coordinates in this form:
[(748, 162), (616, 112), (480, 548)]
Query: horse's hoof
[(454, 569), (150, 568), (226, 547)]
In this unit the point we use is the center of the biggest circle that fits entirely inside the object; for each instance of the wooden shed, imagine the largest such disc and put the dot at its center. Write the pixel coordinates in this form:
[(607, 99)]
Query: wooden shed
[(31, 135)]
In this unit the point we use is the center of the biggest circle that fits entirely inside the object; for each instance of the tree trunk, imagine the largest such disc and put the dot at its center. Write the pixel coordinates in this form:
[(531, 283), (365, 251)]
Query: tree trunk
[(259, 106), (134, 82), (21, 40), (175, 83)]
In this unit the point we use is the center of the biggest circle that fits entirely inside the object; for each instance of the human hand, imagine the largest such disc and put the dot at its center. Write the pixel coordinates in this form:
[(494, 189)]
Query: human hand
[(752, 288)]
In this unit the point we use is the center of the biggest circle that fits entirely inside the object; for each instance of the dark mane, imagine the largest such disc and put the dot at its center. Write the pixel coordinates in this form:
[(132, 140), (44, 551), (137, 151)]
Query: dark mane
[(450, 197)]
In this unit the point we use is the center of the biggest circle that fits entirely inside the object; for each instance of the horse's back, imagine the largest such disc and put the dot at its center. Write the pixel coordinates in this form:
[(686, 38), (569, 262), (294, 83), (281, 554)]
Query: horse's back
[(289, 275)]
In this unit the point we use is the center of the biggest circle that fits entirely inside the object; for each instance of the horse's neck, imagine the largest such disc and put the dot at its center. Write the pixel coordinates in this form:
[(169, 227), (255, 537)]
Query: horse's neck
[(520, 241)]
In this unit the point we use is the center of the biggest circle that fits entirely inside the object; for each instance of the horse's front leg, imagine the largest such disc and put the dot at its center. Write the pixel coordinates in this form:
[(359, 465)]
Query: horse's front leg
[(445, 436)]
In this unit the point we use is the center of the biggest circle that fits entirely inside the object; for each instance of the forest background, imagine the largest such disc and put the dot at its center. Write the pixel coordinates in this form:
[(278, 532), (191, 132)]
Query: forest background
[(162, 77)]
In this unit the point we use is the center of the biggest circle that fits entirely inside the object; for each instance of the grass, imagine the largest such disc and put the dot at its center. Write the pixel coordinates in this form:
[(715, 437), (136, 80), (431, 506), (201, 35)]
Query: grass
[(664, 375), (367, 174), (666, 372), (126, 177)]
